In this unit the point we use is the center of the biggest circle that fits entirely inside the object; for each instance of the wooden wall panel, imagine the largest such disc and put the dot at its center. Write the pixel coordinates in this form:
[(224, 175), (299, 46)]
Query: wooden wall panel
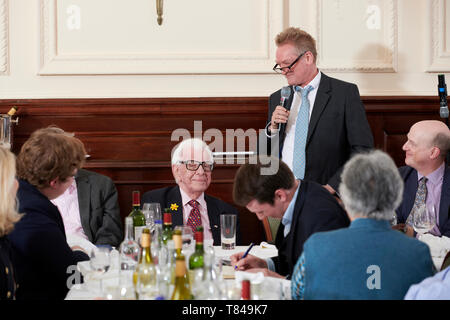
[(129, 139)]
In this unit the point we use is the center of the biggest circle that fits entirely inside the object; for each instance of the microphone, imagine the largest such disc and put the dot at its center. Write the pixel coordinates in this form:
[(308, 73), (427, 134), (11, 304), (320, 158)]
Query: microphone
[(442, 90), (285, 93)]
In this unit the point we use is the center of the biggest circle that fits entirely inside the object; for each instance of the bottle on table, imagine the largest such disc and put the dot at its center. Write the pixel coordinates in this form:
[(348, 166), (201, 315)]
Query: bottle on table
[(182, 289), (245, 291), (145, 274), (137, 215), (167, 227), (129, 251), (196, 260)]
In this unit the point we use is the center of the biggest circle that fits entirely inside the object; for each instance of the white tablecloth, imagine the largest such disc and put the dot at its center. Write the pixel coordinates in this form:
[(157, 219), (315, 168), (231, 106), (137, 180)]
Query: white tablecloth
[(439, 247), (90, 289)]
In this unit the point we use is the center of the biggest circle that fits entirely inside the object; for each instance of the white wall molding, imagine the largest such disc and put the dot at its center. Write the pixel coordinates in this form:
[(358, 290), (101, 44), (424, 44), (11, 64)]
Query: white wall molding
[(4, 37), (257, 60), (388, 12), (439, 49)]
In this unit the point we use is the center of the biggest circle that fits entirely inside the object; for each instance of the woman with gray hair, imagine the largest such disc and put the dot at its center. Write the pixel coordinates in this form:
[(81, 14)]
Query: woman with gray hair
[(367, 260)]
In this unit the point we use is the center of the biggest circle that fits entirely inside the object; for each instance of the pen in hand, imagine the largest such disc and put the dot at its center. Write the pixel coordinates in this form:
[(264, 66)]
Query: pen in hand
[(246, 253)]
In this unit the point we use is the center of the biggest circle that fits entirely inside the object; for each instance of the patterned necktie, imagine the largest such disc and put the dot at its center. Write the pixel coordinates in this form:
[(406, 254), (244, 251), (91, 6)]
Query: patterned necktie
[(301, 133), (194, 219), (421, 196)]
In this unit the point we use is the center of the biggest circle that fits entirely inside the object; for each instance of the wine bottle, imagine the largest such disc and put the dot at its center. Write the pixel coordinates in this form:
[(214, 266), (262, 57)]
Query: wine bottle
[(128, 258), (182, 289), (167, 227), (245, 291), (145, 274), (137, 215), (196, 259), (129, 249)]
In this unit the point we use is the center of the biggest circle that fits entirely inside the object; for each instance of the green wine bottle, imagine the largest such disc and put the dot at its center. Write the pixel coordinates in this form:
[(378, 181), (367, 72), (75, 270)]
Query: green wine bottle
[(196, 259), (138, 216), (167, 227)]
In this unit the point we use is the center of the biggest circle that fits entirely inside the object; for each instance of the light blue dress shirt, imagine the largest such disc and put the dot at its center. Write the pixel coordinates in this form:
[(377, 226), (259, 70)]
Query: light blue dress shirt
[(432, 288)]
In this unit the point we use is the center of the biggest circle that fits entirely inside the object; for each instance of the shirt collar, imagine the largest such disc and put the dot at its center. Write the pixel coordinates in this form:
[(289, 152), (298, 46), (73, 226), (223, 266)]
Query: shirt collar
[(287, 217), (436, 176), (314, 82), (185, 198)]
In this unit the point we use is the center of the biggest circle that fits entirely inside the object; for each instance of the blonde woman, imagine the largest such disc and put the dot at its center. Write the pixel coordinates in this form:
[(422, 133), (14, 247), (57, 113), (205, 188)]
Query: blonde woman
[(8, 217)]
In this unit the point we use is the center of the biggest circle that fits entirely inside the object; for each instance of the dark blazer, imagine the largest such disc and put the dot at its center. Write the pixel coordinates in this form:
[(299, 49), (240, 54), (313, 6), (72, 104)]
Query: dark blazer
[(7, 280), (99, 208), (167, 196), (315, 210), (410, 178), (337, 129), (41, 255)]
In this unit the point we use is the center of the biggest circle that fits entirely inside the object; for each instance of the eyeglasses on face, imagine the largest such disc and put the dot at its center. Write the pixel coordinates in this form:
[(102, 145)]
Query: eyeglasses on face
[(280, 70), (193, 165)]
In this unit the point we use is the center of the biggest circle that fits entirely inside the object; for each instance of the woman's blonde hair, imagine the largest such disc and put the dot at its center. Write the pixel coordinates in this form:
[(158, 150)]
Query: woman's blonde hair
[(8, 205)]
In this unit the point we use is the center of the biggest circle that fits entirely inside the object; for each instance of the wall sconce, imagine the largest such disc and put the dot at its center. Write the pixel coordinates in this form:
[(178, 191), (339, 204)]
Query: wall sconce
[(159, 11)]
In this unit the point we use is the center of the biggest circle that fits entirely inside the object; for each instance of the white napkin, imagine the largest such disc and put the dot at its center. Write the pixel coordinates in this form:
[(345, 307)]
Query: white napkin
[(265, 245), (439, 246), (266, 288), (254, 278)]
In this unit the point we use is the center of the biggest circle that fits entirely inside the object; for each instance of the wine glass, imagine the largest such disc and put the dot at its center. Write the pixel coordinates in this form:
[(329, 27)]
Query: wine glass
[(100, 261), (423, 219), (187, 237), (152, 212)]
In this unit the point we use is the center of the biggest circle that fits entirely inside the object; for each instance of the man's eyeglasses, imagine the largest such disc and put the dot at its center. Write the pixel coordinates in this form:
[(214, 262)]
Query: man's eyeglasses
[(280, 70), (193, 165)]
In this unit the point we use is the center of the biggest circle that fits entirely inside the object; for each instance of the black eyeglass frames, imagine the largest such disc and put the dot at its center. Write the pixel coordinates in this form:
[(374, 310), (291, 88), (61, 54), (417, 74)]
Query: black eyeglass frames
[(193, 165), (280, 70)]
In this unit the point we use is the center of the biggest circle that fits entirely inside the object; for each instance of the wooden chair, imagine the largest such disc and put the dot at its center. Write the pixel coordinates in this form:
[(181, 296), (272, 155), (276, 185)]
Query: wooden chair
[(446, 261), (270, 228)]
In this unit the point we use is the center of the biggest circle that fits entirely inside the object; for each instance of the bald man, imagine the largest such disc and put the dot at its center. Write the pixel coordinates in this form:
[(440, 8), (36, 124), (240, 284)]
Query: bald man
[(425, 152)]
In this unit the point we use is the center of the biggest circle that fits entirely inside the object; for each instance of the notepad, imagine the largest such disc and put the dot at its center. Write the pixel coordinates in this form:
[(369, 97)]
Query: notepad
[(228, 272)]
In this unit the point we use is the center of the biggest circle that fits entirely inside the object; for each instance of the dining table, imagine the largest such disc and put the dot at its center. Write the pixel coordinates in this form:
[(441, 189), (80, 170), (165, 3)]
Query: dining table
[(267, 288)]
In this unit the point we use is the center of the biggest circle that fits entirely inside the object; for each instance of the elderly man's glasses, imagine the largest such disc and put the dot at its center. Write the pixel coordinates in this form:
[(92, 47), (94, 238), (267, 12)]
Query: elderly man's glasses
[(193, 165), (280, 70)]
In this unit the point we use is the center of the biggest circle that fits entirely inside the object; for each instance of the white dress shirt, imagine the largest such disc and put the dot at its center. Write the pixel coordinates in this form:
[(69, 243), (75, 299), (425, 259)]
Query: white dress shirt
[(288, 147)]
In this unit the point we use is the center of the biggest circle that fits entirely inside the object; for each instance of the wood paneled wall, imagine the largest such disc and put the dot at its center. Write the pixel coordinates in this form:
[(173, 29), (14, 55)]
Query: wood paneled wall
[(129, 140)]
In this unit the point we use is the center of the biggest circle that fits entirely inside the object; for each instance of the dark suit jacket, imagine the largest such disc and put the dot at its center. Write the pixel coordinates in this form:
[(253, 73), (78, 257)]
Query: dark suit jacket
[(99, 208), (338, 128), (7, 280), (41, 255), (315, 210), (167, 196), (410, 177)]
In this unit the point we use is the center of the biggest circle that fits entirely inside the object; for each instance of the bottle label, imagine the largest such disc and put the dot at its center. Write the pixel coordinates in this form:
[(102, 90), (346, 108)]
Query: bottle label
[(145, 240), (180, 268), (177, 241), (138, 233)]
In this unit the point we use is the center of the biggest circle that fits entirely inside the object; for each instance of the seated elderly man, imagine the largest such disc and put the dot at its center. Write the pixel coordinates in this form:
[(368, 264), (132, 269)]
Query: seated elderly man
[(426, 175), (368, 260), (192, 165), (304, 207), (46, 166)]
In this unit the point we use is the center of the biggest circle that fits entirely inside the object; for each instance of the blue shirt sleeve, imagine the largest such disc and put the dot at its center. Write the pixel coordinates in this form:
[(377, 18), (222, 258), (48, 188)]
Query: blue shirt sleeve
[(298, 279)]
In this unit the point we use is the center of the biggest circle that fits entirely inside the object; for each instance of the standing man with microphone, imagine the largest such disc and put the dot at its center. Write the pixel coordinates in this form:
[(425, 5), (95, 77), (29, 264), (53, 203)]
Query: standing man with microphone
[(322, 122)]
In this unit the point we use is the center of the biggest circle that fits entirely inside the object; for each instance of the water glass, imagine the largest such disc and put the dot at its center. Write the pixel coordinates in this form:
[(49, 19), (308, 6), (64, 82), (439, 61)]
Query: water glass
[(152, 212), (228, 231)]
